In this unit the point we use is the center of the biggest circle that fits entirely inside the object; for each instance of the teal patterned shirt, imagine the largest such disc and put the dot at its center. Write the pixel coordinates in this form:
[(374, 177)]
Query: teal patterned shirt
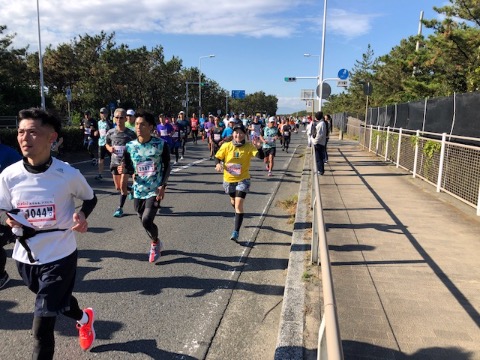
[(146, 161), (103, 128)]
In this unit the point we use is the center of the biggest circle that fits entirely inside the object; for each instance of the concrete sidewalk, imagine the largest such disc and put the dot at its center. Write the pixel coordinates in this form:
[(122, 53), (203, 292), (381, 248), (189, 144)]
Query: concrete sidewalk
[(405, 261)]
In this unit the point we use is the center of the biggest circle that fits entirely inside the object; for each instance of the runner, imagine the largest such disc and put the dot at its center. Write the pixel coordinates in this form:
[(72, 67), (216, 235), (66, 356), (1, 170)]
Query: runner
[(103, 126), (286, 131), (194, 124), (270, 135), (116, 141), (207, 126), (176, 141), (41, 191), (148, 158), (8, 156), (89, 126), (184, 127), (235, 156), (130, 123), (216, 137), (255, 128)]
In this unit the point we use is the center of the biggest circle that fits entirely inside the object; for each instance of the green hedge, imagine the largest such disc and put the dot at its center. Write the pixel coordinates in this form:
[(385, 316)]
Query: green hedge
[(72, 138)]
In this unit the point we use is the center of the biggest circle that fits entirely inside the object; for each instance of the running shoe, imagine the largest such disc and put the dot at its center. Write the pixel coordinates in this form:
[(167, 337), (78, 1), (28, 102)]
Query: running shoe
[(99, 177), (181, 157), (155, 249), (4, 280), (234, 236), (86, 332), (94, 162), (118, 213), (269, 173)]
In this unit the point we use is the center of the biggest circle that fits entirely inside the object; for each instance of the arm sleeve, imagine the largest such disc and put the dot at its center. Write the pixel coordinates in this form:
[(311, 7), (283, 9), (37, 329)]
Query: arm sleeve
[(89, 205), (128, 163), (165, 165)]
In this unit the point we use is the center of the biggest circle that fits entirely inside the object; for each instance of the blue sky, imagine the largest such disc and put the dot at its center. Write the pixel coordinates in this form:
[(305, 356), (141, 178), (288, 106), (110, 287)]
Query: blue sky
[(256, 43)]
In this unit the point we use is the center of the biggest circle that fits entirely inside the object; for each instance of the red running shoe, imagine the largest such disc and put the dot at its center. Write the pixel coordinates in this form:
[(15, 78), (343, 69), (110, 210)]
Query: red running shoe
[(86, 332)]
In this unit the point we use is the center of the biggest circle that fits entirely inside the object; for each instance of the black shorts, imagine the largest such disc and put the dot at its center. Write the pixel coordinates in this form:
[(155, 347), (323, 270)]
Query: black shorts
[(102, 152), (53, 283), (270, 151), (114, 170)]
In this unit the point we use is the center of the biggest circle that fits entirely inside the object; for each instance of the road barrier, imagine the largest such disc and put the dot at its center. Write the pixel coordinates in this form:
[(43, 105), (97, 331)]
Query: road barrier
[(329, 340)]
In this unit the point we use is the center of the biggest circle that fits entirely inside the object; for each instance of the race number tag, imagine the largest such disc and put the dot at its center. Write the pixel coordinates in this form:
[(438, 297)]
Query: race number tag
[(175, 135), (234, 169), (40, 213), (146, 168), (163, 132), (217, 137), (102, 132), (119, 150), (286, 133)]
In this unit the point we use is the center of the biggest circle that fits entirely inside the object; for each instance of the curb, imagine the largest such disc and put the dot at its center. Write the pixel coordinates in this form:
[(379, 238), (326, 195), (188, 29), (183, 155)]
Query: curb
[(290, 344)]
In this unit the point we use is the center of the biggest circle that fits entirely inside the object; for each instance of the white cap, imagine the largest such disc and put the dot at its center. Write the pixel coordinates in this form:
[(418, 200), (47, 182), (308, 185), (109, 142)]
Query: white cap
[(232, 120), (130, 112), (271, 119)]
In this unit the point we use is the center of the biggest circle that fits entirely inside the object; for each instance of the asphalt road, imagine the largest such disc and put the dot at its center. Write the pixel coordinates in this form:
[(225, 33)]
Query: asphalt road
[(206, 298)]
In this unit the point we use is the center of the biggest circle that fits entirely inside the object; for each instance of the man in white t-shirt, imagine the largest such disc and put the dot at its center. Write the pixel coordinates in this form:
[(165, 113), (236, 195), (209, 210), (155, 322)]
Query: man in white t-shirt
[(37, 195)]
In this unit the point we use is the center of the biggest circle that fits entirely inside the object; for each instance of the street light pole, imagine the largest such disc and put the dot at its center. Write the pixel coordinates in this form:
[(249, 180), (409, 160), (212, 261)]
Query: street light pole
[(319, 82), (322, 58), (200, 83), (40, 59)]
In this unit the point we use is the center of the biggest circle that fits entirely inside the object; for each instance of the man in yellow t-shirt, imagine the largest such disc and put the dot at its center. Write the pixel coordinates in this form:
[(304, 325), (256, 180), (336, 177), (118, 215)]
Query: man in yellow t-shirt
[(233, 158)]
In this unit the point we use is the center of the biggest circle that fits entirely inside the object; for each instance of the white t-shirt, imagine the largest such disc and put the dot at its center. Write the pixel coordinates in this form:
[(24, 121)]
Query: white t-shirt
[(48, 200)]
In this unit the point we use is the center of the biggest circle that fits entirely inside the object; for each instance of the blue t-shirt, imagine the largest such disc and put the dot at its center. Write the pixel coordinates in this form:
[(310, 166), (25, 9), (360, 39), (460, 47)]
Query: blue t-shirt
[(227, 132), (8, 156)]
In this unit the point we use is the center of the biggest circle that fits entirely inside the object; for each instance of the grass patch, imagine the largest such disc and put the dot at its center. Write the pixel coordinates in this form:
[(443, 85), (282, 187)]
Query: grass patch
[(290, 206), (306, 276)]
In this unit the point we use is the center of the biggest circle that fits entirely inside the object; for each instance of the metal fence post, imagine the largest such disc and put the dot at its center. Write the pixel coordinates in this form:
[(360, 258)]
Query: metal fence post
[(478, 201), (399, 147), (415, 161), (386, 143), (378, 140), (370, 140), (442, 158)]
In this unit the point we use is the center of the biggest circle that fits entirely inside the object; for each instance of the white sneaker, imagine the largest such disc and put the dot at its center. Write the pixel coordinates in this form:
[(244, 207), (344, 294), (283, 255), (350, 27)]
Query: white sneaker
[(181, 157)]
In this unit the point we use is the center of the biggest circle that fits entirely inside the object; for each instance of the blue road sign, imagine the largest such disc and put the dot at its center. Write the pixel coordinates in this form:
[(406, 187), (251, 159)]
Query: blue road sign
[(343, 74), (111, 106), (238, 94)]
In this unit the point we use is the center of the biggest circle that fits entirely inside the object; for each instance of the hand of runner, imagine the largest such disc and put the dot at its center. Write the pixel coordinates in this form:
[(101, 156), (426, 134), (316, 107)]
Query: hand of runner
[(160, 193), (81, 224), (219, 167)]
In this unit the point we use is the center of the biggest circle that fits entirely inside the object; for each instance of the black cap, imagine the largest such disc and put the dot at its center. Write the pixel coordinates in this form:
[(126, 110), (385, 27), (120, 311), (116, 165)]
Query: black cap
[(87, 112), (238, 126)]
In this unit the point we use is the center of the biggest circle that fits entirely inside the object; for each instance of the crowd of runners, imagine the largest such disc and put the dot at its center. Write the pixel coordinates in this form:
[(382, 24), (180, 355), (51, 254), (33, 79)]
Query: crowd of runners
[(37, 192)]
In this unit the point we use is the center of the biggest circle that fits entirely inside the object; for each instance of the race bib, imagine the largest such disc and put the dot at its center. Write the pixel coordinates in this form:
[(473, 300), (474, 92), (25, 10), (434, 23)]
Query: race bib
[(234, 169), (102, 132), (146, 168), (88, 131), (175, 135), (163, 132), (286, 133), (217, 137), (40, 213), (119, 150)]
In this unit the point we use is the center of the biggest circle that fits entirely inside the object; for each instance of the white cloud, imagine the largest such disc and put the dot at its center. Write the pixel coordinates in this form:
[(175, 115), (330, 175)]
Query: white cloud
[(349, 24), (61, 21)]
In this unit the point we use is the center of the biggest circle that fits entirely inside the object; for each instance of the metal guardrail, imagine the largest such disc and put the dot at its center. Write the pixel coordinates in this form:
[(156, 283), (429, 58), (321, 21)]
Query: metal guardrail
[(8, 122), (448, 162), (329, 340)]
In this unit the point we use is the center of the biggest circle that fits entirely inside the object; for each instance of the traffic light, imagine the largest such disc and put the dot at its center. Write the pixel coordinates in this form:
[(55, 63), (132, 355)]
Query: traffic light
[(290, 79)]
